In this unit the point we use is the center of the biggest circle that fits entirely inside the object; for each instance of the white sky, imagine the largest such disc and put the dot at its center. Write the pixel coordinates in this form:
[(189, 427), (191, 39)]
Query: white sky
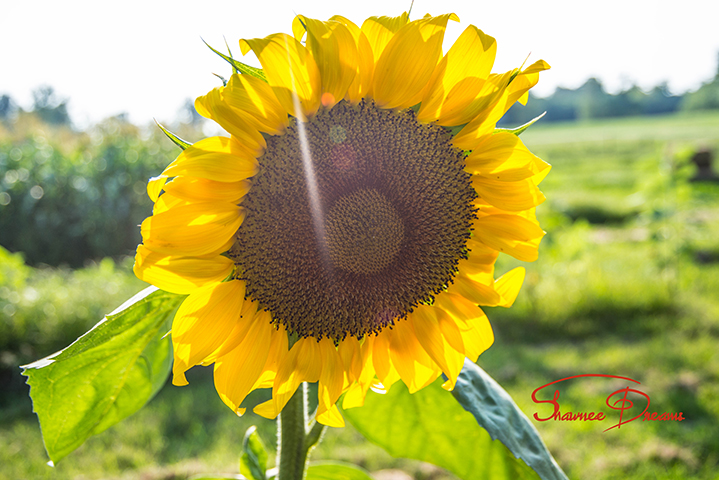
[(145, 57)]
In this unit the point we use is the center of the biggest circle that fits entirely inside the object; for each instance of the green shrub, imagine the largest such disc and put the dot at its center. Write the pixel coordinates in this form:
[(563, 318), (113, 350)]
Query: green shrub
[(45, 309), (66, 197)]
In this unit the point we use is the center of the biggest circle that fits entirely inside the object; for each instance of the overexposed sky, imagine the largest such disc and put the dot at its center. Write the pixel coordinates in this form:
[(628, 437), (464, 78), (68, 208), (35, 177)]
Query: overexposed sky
[(145, 57)]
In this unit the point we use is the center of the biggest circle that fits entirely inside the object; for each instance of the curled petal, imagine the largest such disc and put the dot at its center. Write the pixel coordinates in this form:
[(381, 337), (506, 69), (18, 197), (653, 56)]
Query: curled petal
[(407, 62), (291, 72)]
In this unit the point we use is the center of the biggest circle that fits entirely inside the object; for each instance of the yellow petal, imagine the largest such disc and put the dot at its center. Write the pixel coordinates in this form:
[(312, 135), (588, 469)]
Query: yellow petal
[(460, 308), (430, 337), (415, 367), (355, 396), (202, 190), (407, 62), (508, 286), (351, 354), (248, 316), (331, 418), (479, 292), (514, 87), (477, 338), (178, 274), (202, 324), (330, 384), (450, 330), (381, 362), (335, 51), (155, 185), (362, 81), (510, 234), (237, 371), (215, 158), (213, 107), (302, 364), (379, 31), (254, 100), (456, 92), (502, 156), (291, 72), (510, 196), (192, 230)]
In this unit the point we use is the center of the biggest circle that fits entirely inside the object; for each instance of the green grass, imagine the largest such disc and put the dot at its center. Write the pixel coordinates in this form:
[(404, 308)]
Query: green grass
[(626, 284)]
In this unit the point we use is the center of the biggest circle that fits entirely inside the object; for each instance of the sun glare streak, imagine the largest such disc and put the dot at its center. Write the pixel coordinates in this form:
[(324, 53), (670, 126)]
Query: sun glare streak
[(312, 190)]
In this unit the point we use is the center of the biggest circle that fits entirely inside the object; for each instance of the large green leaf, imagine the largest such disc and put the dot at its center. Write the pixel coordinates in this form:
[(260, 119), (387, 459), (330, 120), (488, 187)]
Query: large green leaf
[(336, 471), (105, 375), (431, 426), (494, 409)]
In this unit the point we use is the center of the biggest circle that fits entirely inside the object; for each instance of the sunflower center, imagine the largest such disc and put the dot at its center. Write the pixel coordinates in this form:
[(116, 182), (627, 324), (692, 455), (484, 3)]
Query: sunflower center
[(363, 232), (356, 217)]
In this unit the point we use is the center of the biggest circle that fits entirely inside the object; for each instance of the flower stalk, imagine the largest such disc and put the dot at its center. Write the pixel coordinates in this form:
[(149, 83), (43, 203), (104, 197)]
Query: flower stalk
[(295, 440)]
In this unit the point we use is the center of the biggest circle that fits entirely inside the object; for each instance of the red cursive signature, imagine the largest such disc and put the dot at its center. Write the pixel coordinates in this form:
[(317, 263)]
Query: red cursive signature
[(622, 404)]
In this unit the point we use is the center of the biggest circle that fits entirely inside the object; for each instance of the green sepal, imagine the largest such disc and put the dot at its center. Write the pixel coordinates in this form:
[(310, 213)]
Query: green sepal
[(223, 79), (336, 471), (183, 144), (253, 463), (105, 375), (229, 52), (243, 68), (518, 131)]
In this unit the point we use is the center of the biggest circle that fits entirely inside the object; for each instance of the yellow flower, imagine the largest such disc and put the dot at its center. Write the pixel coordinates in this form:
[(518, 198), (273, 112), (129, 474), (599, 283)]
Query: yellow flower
[(342, 234)]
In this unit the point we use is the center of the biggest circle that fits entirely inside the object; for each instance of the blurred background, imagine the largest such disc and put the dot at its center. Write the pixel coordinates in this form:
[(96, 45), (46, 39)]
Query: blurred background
[(626, 283)]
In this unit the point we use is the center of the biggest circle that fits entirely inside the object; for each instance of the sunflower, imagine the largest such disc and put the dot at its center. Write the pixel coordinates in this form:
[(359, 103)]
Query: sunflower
[(346, 231)]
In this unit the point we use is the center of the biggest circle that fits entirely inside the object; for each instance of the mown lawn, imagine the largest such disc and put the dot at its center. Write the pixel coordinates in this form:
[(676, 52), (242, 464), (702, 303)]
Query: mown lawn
[(626, 285)]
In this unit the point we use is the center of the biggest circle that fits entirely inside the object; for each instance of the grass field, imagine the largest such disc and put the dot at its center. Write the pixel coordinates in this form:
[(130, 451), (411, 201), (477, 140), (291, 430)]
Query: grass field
[(626, 284)]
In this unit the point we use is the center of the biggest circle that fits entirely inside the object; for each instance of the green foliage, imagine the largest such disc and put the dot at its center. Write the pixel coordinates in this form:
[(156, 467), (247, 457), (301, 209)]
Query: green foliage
[(106, 375), (44, 310), (253, 463), (636, 297), (49, 108), (336, 471), (68, 197), (431, 426), (705, 98)]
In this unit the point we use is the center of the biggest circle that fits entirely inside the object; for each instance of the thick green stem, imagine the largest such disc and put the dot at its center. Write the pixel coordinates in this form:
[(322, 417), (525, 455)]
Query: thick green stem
[(291, 437)]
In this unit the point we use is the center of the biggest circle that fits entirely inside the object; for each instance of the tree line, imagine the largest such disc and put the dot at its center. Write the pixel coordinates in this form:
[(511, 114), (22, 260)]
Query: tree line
[(592, 101)]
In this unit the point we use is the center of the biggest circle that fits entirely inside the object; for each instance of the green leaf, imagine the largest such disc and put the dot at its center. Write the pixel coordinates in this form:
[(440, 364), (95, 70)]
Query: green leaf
[(336, 471), (104, 376), (518, 131), (217, 476), (183, 144), (431, 426), (246, 69), (253, 463), (494, 409)]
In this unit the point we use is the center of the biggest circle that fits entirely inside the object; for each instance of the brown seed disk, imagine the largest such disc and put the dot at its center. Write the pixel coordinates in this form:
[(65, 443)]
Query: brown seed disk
[(393, 218)]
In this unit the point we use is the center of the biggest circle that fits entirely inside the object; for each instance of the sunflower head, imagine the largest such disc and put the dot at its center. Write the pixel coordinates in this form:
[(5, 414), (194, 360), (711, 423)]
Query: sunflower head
[(347, 229)]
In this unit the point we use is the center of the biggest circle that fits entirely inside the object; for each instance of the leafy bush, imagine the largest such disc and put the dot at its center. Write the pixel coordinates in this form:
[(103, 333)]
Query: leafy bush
[(66, 197), (44, 310)]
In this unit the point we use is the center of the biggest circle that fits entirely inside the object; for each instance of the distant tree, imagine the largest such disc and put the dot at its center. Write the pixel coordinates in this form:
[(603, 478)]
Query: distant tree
[(7, 107), (49, 108), (706, 98)]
